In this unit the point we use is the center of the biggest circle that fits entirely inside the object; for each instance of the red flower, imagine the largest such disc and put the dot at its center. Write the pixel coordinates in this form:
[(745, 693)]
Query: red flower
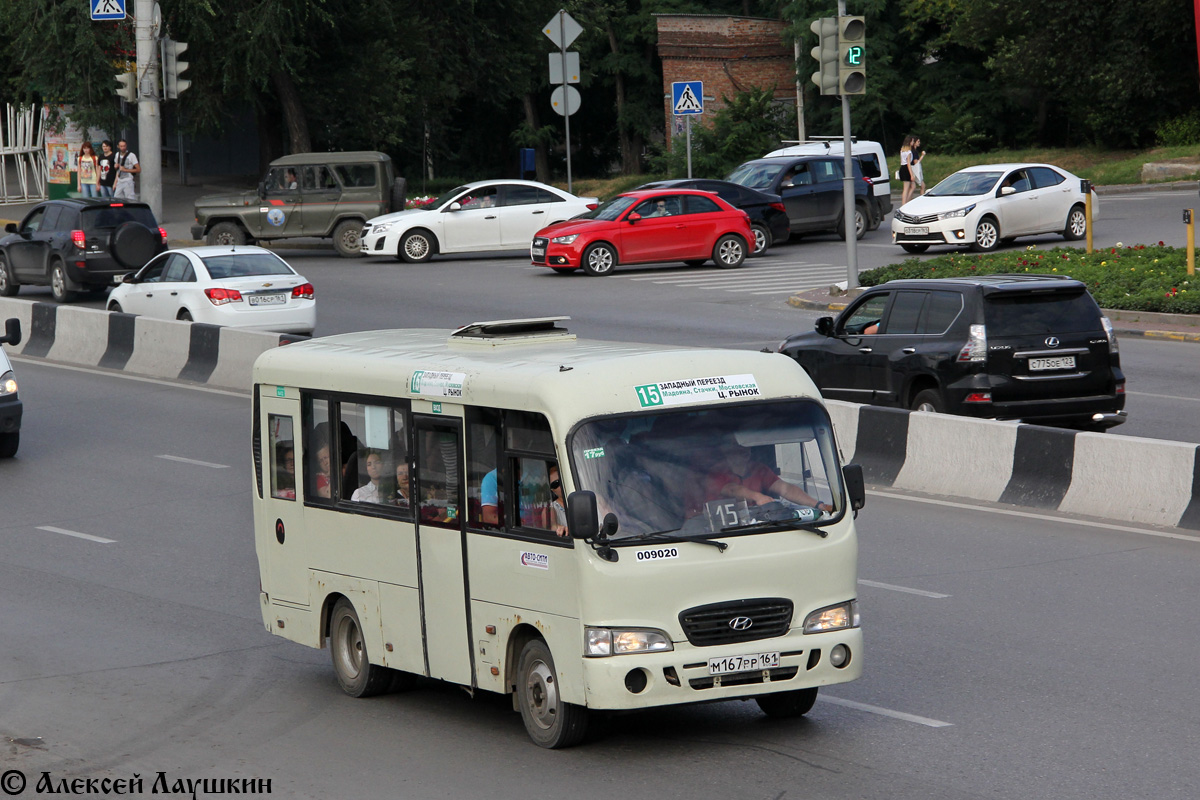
[(1160, 243)]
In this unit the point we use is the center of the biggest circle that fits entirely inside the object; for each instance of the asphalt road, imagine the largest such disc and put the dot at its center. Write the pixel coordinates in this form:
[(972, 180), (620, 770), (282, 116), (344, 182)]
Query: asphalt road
[(1008, 654)]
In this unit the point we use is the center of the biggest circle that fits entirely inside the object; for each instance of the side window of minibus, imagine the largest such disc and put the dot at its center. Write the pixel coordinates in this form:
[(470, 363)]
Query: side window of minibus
[(318, 450), (281, 438), (485, 483), (529, 446), (376, 471)]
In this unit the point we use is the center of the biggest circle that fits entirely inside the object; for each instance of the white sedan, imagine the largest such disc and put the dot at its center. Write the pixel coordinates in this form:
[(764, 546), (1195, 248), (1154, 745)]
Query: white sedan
[(480, 216), (992, 204), (236, 286)]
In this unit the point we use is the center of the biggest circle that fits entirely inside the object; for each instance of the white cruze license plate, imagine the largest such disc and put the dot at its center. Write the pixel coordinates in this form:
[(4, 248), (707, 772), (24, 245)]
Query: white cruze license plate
[(1059, 362), (727, 664), (916, 231), (268, 299)]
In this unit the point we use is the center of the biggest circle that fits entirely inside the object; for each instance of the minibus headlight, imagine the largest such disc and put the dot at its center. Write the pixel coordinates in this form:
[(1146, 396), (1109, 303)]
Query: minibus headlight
[(8, 383), (565, 239), (832, 618), (616, 642)]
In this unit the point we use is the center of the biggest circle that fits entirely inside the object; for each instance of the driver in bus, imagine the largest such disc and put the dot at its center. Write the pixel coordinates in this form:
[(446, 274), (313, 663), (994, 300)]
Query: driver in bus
[(738, 475)]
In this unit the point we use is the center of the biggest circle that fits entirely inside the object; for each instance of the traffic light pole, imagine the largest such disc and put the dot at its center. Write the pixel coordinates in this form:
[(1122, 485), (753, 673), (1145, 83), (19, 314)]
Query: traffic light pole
[(848, 189), (149, 114)]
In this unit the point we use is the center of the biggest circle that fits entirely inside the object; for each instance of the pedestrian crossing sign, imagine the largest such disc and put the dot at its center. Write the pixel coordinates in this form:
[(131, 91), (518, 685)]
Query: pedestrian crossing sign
[(687, 97), (107, 10)]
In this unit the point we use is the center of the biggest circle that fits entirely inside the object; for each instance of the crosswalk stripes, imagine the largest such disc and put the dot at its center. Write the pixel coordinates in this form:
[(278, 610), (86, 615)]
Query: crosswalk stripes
[(754, 280)]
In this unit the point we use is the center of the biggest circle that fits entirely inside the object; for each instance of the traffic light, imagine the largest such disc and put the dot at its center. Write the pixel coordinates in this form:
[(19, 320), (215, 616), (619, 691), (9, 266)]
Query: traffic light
[(173, 85), (852, 62), (128, 91), (826, 54)]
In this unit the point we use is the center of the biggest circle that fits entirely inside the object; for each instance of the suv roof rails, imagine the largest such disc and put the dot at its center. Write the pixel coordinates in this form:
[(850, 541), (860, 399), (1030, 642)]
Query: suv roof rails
[(825, 140), (510, 329)]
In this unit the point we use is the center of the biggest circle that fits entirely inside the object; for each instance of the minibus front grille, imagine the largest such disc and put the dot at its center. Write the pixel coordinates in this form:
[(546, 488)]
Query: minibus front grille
[(737, 621), (743, 678)]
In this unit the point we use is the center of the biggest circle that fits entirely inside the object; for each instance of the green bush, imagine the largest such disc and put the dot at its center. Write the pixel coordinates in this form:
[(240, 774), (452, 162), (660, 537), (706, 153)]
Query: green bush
[(1133, 278), (1180, 131)]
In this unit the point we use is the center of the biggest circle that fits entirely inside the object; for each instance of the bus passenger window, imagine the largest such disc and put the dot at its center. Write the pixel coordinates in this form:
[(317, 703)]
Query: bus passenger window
[(318, 450), (485, 506), (283, 457), (375, 454), (539, 504), (437, 478)]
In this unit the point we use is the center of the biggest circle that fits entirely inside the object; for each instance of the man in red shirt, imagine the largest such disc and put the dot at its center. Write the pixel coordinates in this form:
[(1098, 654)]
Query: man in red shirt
[(737, 475)]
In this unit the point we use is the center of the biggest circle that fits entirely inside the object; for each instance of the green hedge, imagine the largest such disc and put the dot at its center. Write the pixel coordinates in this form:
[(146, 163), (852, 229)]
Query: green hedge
[(1130, 277)]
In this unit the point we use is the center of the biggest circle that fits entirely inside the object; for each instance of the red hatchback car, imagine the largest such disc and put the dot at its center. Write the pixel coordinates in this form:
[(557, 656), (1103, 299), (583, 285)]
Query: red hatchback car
[(645, 227)]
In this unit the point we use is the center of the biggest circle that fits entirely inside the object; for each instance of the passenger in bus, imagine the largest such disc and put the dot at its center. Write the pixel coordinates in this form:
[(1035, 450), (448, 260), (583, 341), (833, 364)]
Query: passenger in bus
[(737, 474), (371, 491), (285, 474), (401, 496), (557, 504), (321, 483), (489, 499)]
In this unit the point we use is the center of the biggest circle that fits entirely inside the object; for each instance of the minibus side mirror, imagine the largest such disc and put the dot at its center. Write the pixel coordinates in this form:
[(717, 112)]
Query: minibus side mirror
[(12, 332), (852, 476), (582, 516), (825, 326)]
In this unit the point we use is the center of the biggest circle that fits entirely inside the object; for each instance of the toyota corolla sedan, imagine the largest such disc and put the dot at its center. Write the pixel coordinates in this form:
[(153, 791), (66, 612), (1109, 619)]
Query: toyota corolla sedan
[(235, 286), (986, 206), (645, 227), (477, 217)]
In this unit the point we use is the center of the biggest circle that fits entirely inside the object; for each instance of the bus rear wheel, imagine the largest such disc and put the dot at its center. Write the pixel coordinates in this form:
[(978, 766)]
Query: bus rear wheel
[(782, 705), (549, 721), (357, 676)]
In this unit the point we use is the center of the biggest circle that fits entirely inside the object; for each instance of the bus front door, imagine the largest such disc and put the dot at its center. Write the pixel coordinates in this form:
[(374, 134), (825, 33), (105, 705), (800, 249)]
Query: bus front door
[(441, 547)]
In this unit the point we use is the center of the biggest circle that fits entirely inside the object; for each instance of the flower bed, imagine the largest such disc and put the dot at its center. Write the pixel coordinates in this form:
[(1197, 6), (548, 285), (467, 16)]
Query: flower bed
[(1130, 277), (418, 202)]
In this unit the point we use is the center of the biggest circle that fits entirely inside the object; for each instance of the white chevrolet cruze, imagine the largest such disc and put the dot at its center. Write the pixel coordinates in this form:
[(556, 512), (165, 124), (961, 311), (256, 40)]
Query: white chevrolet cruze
[(476, 217), (992, 204)]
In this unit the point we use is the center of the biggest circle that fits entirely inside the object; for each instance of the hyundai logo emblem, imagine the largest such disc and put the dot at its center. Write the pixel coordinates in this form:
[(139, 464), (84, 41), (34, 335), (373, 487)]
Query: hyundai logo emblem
[(1051, 341), (740, 623)]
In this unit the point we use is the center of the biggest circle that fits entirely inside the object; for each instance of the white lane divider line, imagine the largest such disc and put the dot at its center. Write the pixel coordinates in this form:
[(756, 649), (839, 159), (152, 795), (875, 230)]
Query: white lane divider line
[(76, 534), (182, 460), (895, 588), (884, 712)]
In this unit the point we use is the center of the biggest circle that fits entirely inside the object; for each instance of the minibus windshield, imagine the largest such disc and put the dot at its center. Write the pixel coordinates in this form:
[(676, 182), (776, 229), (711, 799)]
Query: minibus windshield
[(717, 470)]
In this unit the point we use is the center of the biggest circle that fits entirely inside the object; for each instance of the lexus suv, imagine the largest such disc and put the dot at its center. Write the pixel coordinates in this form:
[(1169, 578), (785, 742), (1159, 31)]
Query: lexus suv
[(78, 244), (1028, 347)]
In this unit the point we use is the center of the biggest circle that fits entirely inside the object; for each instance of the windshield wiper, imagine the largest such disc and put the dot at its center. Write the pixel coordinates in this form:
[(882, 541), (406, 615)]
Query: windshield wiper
[(782, 525), (664, 536)]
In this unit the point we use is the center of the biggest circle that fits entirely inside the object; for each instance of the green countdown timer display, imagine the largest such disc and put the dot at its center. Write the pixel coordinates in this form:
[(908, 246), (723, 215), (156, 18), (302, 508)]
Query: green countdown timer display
[(854, 56)]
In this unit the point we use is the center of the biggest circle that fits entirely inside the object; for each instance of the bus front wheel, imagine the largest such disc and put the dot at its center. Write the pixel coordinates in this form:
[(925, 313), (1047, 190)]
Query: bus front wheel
[(357, 676), (782, 705), (550, 722)]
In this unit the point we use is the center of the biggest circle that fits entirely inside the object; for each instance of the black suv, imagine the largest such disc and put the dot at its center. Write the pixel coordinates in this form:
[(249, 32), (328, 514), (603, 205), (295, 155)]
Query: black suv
[(1028, 347), (811, 188), (78, 244)]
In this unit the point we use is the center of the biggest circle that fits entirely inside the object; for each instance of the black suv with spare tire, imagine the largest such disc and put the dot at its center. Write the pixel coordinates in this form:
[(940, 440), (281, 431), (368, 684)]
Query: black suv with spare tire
[(1028, 347), (78, 244)]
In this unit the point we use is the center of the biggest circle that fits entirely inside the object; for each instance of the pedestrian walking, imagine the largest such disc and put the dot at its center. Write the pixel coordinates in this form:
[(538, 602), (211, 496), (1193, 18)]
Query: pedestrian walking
[(918, 171), (108, 168), (127, 166), (908, 156), (88, 171)]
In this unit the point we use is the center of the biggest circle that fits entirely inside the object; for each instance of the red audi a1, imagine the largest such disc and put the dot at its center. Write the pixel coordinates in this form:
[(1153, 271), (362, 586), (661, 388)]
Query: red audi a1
[(645, 227)]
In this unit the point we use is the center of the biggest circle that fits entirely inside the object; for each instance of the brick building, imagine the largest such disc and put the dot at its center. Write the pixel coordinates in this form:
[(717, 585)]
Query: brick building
[(730, 54)]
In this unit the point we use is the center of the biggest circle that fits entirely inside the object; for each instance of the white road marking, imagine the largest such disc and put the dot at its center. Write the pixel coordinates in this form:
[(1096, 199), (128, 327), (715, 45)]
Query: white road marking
[(1165, 396), (884, 712), (895, 588), (1045, 517), (182, 460), (76, 534)]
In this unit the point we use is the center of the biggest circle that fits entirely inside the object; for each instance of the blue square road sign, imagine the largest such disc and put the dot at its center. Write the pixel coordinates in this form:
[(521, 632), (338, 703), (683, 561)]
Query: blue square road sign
[(687, 97), (107, 10)]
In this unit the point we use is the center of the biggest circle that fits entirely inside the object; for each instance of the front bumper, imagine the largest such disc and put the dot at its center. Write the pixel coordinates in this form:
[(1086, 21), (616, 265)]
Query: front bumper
[(1104, 410), (10, 414), (681, 676)]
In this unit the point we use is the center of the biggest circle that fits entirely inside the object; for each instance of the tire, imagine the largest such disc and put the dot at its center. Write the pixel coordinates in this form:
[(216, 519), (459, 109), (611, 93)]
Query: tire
[(416, 247), (115, 308), (696, 262), (762, 239), (9, 443), (184, 316), (929, 400), (357, 676), (133, 244), (987, 235), (8, 285), (861, 221), (914, 248), (729, 252), (58, 283), (226, 233), (599, 259), (549, 721), (787, 705), (347, 238), (1076, 227)]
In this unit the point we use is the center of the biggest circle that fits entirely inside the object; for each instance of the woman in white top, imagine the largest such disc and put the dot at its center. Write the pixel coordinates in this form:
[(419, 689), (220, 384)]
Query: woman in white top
[(909, 158)]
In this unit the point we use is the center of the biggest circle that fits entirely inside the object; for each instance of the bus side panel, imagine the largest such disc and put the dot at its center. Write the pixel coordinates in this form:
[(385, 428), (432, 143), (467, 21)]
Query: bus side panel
[(297, 624), (400, 620), (515, 582), (364, 594), (563, 635), (380, 549)]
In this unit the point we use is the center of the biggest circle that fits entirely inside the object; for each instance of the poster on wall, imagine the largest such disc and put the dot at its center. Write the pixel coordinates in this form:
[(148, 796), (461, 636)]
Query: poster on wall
[(64, 140)]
